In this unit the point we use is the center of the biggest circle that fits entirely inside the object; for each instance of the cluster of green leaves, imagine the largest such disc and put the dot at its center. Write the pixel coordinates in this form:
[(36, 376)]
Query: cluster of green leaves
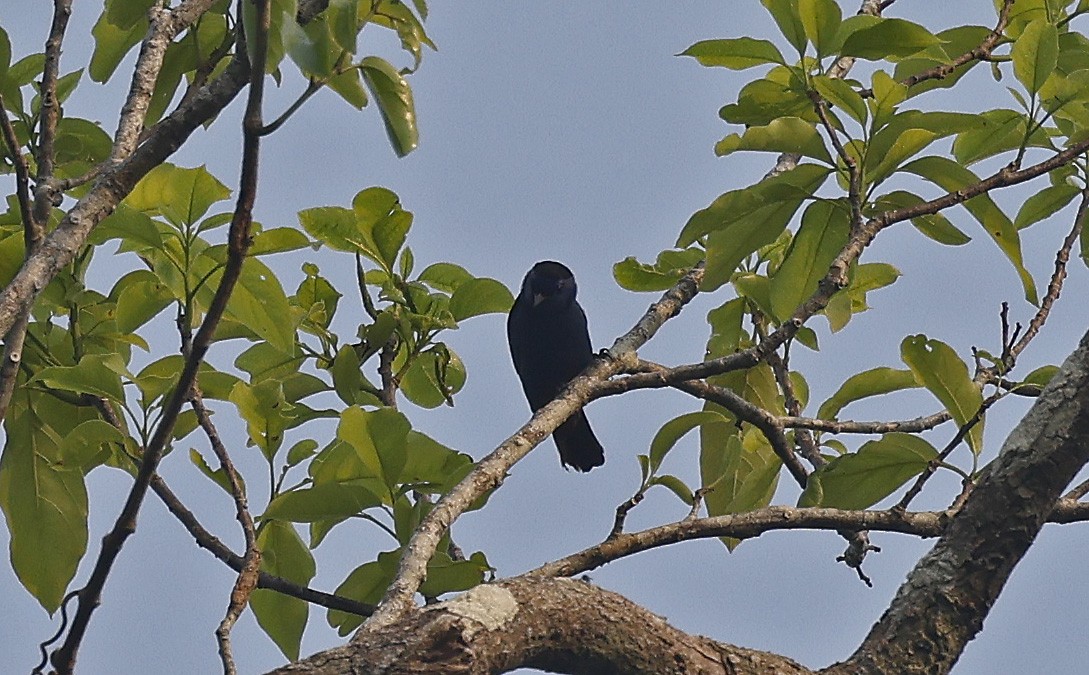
[(755, 240), (324, 50), (300, 374), (375, 467)]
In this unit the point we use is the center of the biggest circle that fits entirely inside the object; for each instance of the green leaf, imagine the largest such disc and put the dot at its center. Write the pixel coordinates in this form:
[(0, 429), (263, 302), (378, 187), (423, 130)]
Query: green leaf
[(266, 412), (950, 176), (785, 14), (5, 55), (676, 428), (873, 382), (45, 506), (888, 38), (320, 502), (995, 131), (451, 576), (670, 266), (734, 53), (934, 225), (218, 476), (349, 85), (431, 466), (842, 95), (1041, 376), (860, 480), (1044, 204), (741, 469), (888, 94), (260, 303), (112, 43), (938, 368), (380, 439), (909, 143), (95, 374), (140, 296), (135, 229), (763, 101), (366, 583), (742, 221), (87, 445), (787, 134), (822, 234), (1035, 54), (445, 276), (433, 378), (820, 19), (282, 616), (394, 98), (181, 195), (796, 185), (278, 240), (480, 296), (677, 486), (81, 141)]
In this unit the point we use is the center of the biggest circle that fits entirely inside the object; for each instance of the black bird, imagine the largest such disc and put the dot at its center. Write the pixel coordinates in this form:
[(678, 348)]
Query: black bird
[(550, 345)]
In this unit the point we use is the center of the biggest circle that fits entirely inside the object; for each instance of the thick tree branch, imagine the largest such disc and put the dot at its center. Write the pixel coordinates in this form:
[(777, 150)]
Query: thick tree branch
[(558, 625)]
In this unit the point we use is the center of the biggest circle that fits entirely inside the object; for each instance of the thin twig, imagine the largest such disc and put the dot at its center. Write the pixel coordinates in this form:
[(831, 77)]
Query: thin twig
[(935, 463), (1055, 286), (246, 580)]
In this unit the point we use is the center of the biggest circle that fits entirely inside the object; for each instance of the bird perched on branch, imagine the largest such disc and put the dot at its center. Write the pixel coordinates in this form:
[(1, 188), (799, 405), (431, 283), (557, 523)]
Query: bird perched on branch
[(550, 345)]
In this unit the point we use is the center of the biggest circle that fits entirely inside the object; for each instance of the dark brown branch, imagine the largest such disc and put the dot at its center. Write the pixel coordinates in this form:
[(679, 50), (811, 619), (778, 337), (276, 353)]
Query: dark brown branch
[(752, 524), (745, 411), (217, 548), (980, 53), (45, 196)]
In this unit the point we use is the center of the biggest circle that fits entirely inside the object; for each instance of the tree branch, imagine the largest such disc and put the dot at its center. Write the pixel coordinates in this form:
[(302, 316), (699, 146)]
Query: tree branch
[(558, 625)]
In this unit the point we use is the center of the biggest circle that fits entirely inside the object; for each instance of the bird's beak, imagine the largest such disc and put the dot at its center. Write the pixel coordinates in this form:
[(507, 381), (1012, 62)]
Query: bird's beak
[(538, 298)]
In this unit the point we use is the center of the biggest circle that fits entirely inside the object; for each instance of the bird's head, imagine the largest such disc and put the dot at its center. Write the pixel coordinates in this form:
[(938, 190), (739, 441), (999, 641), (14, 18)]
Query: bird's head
[(549, 282)]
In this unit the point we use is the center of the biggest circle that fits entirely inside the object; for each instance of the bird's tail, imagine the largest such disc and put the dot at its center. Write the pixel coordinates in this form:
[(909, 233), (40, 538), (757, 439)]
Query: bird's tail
[(578, 446)]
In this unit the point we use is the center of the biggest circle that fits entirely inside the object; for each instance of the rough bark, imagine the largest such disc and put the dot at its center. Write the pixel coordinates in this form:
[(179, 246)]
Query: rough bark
[(553, 624)]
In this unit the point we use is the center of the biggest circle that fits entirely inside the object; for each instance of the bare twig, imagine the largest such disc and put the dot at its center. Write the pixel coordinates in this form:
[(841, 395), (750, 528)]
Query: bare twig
[(251, 563), (980, 53), (745, 411), (935, 463), (773, 518), (1055, 286)]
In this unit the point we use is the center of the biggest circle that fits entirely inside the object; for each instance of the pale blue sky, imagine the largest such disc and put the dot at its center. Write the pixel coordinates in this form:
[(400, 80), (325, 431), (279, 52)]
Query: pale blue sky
[(571, 131)]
